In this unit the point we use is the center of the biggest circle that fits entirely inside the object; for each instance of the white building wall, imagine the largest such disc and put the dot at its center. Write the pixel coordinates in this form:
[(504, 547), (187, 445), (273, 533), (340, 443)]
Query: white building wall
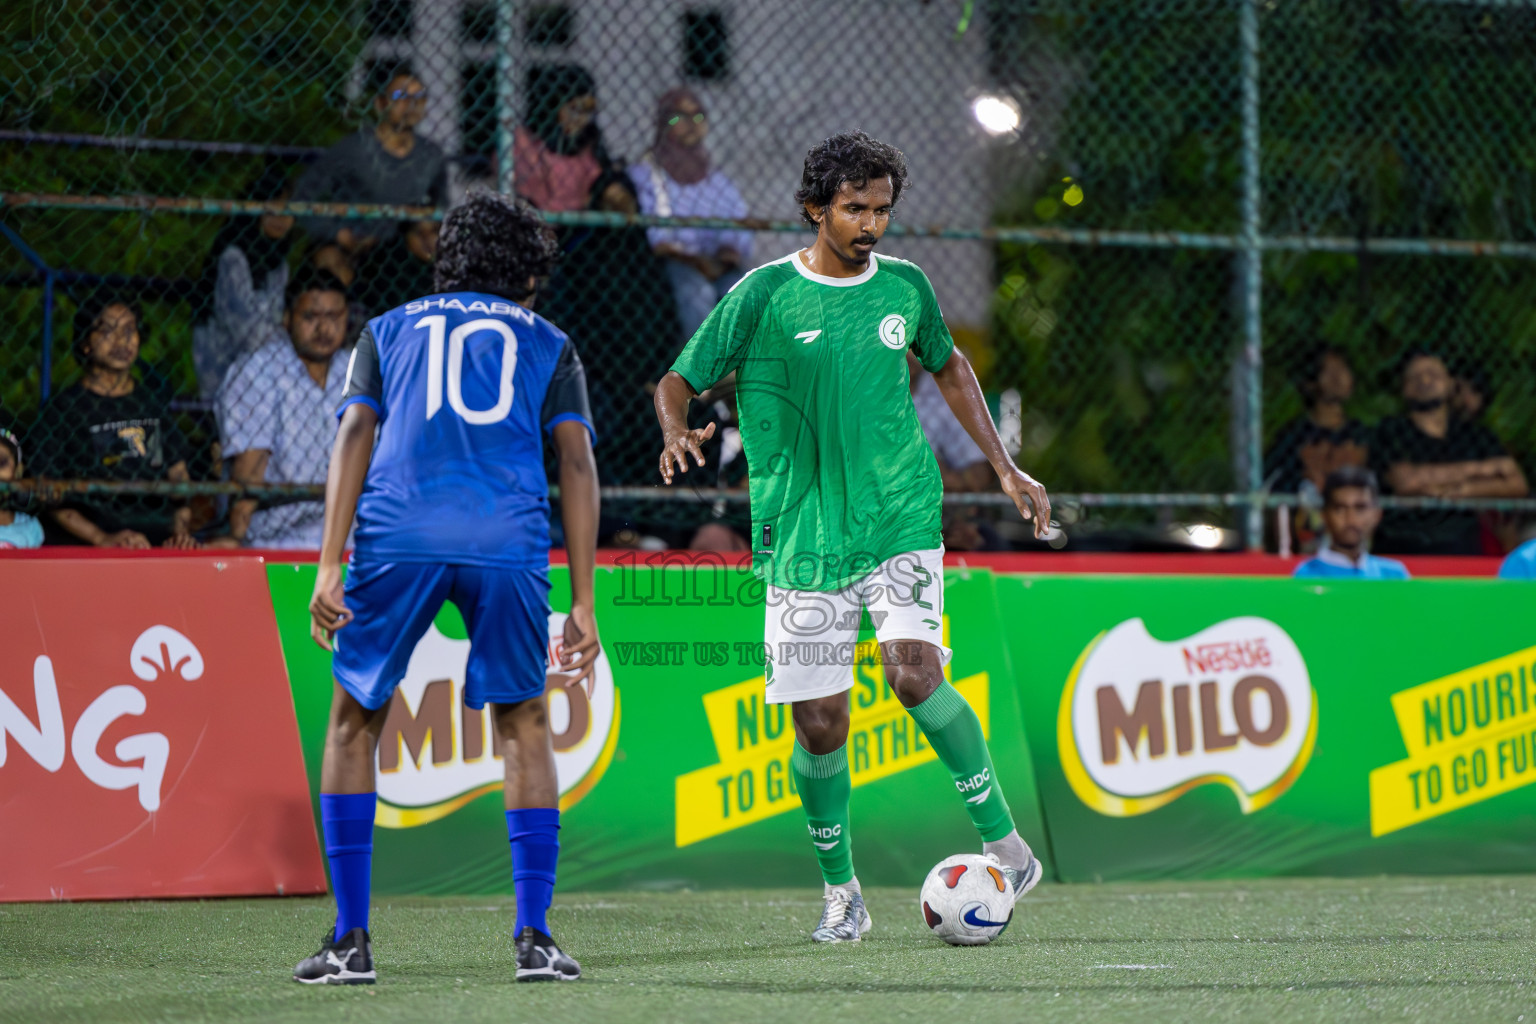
[(800, 70)]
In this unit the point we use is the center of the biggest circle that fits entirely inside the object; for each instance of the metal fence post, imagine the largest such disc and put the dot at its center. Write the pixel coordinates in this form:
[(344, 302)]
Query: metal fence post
[(1252, 278), (506, 96)]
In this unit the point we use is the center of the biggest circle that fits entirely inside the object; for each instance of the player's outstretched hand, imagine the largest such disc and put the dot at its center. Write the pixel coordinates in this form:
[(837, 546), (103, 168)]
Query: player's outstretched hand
[(679, 447), (1029, 497), (578, 657), (327, 609)]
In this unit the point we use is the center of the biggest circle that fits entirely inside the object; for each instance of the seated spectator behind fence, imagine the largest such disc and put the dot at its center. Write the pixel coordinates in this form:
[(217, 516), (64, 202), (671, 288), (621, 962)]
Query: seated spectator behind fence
[(108, 426), (239, 299), (17, 529), (1469, 395), (387, 164), (676, 179), (1351, 514), (558, 152), (1325, 437), (609, 292), (277, 414), (1520, 563), (399, 270), (1432, 452)]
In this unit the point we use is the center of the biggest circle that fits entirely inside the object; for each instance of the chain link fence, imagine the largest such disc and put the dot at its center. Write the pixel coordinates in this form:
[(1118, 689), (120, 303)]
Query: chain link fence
[(1152, 224)]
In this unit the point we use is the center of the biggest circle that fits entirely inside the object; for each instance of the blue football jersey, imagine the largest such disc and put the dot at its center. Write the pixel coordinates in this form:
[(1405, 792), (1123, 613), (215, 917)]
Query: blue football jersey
[(465, 385)]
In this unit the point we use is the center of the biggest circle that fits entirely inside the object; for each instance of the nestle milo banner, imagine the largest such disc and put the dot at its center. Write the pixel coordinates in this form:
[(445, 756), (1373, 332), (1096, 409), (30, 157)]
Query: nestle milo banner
[(1210, 726), (672, 769)]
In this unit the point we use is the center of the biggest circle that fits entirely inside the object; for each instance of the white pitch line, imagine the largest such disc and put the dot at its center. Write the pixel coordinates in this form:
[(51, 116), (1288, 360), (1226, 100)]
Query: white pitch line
[(1132, 967)]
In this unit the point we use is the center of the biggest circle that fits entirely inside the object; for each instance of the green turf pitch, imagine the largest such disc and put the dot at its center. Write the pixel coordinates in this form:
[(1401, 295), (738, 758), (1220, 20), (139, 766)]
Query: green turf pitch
[(1433, 949)]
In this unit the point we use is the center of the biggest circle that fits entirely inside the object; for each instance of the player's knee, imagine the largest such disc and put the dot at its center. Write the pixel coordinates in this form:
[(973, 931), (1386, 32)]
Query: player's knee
[(349, 732), (824, 727), (513, 719), (913, 682), (352, 723)]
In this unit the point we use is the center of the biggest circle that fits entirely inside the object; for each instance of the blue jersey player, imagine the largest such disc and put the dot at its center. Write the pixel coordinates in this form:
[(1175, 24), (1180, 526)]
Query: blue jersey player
[(452, 504)]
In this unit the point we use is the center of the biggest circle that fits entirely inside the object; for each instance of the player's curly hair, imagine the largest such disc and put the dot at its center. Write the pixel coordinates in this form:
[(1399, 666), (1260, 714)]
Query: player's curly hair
[(852, 157), (493, 243)]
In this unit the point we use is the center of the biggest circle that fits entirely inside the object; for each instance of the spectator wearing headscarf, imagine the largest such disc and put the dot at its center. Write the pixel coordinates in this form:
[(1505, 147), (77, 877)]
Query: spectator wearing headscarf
[(239, 300), (678, 179)]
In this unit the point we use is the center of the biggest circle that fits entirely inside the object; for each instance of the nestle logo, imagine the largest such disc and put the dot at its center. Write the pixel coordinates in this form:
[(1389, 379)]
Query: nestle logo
[(1229, 656)]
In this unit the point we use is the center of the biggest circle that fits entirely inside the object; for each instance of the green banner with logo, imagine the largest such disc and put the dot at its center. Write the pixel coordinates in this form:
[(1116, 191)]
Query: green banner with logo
[(673, 771), (1190, 726)]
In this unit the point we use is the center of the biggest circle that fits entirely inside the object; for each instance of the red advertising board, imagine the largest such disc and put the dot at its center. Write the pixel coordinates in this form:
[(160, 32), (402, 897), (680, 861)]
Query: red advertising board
[(147, 738)]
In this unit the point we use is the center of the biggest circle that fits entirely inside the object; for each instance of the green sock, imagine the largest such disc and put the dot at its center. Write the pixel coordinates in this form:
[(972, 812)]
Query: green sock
[(954, 732), (825, 785)]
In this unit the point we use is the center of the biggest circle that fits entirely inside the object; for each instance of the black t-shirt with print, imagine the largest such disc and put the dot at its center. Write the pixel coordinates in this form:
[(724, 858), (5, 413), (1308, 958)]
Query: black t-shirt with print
[(1302, 442), (1429, 531), (83, 435)]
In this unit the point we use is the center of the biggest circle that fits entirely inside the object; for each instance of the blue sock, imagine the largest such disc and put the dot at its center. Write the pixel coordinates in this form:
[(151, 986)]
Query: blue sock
[(534, 832), (347, 819)]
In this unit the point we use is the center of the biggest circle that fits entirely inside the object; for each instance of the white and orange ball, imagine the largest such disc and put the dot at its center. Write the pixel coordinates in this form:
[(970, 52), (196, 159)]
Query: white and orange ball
[(966, 900)]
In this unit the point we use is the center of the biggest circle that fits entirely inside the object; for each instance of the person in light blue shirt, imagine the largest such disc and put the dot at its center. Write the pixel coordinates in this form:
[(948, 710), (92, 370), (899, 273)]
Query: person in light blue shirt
[(1350, 515), (17, 529), (1520, 563)]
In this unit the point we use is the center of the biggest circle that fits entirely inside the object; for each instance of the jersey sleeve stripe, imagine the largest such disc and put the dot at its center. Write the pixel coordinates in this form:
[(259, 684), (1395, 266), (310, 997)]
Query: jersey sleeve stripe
[(360, 399), (677, 369), (578, 417)]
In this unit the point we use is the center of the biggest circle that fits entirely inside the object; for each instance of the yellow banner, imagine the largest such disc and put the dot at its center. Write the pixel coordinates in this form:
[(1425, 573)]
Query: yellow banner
[(753, 780), (1469, 705), (1470, 736)]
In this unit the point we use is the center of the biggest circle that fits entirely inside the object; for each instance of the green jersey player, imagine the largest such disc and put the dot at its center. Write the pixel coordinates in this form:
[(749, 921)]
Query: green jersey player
[(846, 494)]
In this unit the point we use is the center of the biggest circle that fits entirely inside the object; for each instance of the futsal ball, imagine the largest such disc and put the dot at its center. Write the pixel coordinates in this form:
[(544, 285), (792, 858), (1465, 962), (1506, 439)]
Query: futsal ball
[(966, 900)]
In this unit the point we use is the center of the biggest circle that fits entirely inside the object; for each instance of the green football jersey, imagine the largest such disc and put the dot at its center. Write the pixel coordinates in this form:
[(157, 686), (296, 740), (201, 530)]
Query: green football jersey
[(840, 473)]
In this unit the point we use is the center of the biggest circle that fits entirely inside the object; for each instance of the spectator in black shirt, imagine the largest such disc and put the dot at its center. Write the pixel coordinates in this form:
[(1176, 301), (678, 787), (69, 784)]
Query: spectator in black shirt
[(1470, 398), (107, 426), (399, 270), (1433, 453), (1326, 438)]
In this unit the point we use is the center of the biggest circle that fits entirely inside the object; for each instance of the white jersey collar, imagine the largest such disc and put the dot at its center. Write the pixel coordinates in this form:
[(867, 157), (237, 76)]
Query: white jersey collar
[(1328, 556), (835, 282)]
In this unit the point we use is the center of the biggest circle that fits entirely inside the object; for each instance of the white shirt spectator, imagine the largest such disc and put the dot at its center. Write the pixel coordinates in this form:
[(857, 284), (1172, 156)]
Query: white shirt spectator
[(715, 196), (246, 313), (945, 434), (270, 401)]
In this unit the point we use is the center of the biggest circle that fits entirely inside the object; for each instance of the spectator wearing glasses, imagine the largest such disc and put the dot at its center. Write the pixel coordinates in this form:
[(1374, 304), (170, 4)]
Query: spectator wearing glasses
[(561, 161), (277, 414), (388, 164), (1350, 516), (678, 179), (17, 529), (109, 426)]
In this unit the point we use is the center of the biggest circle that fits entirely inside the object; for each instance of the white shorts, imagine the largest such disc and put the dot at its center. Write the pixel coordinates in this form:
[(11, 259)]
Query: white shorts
[(809, 635)]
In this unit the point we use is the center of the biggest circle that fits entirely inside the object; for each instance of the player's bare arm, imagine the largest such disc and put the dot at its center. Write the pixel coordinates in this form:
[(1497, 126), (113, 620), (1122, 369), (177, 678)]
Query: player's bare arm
[(678, 443), (343, 484), (957, 382), (579, 513)]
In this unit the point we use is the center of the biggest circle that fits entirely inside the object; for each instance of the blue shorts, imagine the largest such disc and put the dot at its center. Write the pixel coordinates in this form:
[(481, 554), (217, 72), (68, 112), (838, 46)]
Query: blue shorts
[(393, 603)]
